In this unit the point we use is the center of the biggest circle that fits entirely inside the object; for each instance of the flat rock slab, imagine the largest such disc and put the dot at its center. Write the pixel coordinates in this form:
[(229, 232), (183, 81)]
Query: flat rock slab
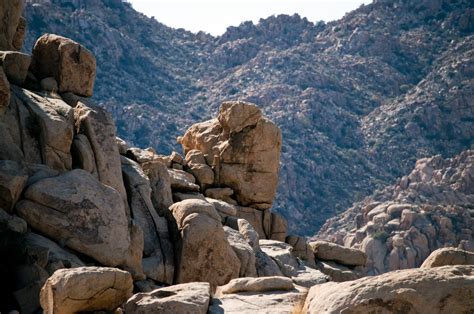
[(333, 252), (183, 298)]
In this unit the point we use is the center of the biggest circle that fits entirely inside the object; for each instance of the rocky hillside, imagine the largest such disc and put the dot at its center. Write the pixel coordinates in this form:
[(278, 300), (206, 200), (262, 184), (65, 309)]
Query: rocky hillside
[(399, 226), (358, 100)]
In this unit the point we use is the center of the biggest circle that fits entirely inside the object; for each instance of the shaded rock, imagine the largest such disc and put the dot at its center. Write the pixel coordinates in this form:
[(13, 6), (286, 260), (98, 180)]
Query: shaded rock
[(160, 183), (87, 216), (203, 251), (332, 252), (301, 249), (260, 220), (12, 223), (279, 228), (99, 128), (337, 272), (225, 209), (86, 289), (15, 64), (431, 290), (10, 17), (49, 84), (224, 194), (182, 181), (178, 196), (448, 256), (4, 91), (13, 178), (157, 245), (183, 298), (71, 64), (122, 145), (83, 155), (198, 167), (257, 285), (49, 122), (244, 252)]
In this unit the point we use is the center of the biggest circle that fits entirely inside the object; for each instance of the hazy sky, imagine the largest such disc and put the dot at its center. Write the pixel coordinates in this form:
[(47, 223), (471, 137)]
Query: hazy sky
[(214, 16)]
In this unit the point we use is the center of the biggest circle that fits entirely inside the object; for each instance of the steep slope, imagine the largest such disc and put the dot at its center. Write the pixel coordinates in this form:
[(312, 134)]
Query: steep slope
[(356, 98)]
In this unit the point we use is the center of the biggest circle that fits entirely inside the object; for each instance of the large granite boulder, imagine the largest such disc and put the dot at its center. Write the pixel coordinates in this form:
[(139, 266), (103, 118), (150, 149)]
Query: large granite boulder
[(244, 252), (13, 177), (328, 251), (11, 24), (447, 289), (204, 254), (15, 64), (448, 256), (243, 149), (183, 298), (72, 65), (85, 289), (85, 215)]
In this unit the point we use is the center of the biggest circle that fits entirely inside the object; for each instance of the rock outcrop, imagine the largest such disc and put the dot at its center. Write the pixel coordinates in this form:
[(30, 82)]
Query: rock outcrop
[(399, 226), (434, 290), (448, 256)]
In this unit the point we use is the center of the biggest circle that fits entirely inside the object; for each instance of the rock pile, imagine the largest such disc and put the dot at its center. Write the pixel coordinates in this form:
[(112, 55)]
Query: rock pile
[(400, 226)]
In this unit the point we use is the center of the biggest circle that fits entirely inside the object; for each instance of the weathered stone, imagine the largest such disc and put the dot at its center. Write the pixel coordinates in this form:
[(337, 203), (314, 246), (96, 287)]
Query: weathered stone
[(225, 209), (198, 167), (83, 155), (224, 194), (183, 298), (301, 249), (275, 301), (4, 91), (86, 289), (445, 289), (20, 34), (256, 218), (244, 150), (15, 64), (49, 84), (160, 183), (157, 245), (99, 128), (13, 178), (10, 20), (244, 252), (82, 213), (337, 272), (178, 196), (333, 252), (71, 64), (121, 145), (279, 228), (12, 223), (257, 285), (182, 181), (448, 256), (203, 251), (50, 124)]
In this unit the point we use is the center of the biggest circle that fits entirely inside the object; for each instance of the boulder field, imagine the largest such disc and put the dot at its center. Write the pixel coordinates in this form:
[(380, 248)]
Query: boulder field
[(89, 224)]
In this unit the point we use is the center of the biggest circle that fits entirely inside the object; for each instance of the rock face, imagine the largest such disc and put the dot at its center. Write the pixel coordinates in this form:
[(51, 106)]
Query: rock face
[(244, 150), (12, 182), (399, 226), (448, 256), (203, 252), (88, 216), (86, 289), (69, 63), (11, 24), (435, 290), (15, 64), (183, 298)]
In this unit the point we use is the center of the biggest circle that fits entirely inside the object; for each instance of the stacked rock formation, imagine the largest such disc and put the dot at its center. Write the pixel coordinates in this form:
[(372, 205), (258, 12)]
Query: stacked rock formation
[(401, 225)]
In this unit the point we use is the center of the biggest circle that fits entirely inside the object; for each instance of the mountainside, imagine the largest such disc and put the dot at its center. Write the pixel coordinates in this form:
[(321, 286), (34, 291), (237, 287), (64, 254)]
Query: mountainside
[(358, 100)]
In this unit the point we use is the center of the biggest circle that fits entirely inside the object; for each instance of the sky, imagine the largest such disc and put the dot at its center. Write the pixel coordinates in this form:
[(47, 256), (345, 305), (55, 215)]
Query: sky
[(214, 16)]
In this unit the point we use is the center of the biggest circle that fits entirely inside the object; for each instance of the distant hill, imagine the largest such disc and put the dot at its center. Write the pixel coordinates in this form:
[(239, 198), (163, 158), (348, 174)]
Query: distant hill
[(358, 100)]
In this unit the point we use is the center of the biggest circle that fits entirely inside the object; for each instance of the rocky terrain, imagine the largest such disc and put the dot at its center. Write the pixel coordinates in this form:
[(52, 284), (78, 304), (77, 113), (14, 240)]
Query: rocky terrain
[(89, 223), (358, 100)]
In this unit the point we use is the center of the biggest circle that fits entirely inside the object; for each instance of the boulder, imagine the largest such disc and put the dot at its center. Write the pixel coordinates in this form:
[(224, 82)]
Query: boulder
[(85, 289), (183, 298), (224, 209), (203, 252), (328, 251), (198, 167), (69, 63), (4, 91), (224, 194), (158, 248), (15, 64), (337, 272), (99, 128), (83, 214), (257, 285), (160, 182), (10, 21), (182, 181), (448, 256), (259, 219), (447, 289), (279, 227), (13, 178), (83, 155), (301, 249), (244, 252), (244, 150), (12, 223)]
